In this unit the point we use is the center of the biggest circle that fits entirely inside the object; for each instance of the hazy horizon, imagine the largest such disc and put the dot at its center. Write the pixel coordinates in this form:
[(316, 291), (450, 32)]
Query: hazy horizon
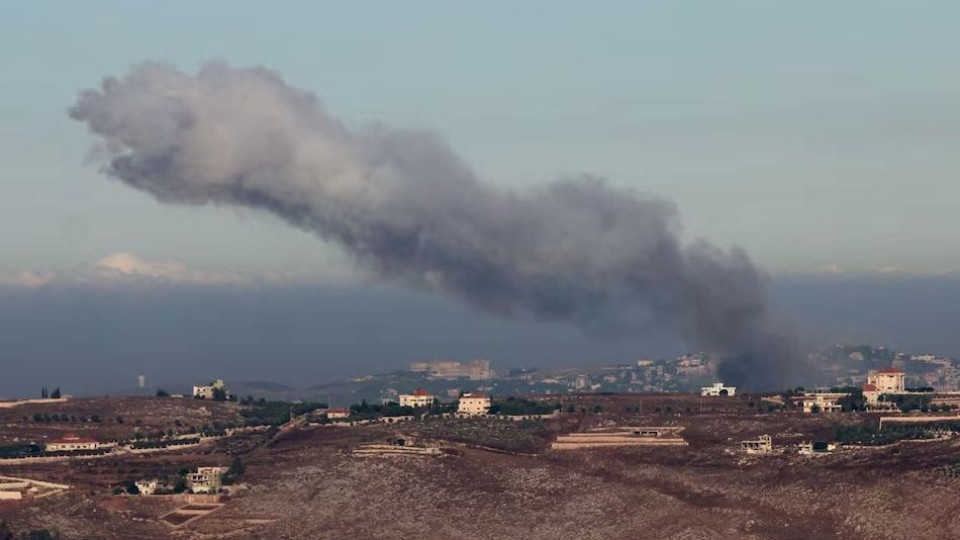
[(93, 340)]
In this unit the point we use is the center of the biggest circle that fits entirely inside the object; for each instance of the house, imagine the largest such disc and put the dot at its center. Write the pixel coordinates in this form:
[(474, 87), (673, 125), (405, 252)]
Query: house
[(333, 414), (473, 404), (206, 479), (822, 401), (71, 443), (761, 445), (871, 394), (209, 391), (888, 381), (146, 487), (420, 398), (718, 389)]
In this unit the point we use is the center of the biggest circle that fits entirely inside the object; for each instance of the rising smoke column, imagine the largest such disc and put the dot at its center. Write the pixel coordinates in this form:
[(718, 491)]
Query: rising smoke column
[(405, 206)]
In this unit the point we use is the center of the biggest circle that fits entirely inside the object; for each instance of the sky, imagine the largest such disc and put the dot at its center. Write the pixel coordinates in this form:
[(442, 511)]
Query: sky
[(819, 136)]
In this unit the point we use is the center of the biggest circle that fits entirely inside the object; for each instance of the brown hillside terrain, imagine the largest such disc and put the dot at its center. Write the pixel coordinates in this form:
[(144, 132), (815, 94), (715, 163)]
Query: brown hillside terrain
[(307, 483)]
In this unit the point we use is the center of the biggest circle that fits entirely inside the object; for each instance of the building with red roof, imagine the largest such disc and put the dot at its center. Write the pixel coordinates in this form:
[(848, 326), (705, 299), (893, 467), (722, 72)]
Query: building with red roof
[(337, 413), (71, 443), (419, 398), (871, 395)]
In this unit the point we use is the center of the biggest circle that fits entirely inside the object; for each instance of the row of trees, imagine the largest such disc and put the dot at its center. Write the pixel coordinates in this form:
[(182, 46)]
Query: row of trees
[(56, 417), (275, 413)]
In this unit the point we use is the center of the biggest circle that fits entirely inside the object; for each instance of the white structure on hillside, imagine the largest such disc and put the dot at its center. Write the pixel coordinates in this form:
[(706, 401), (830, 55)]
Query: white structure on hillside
[(334, 414), (473, 404), (718, 389), (822, 401), (420, 398), (146, 487), (206, 479), (888, 381), (71, 443), (208, 391), (761, 445)]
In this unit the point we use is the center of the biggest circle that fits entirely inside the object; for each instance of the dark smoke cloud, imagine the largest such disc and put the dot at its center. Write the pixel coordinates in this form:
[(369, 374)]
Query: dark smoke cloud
[(408, 208)]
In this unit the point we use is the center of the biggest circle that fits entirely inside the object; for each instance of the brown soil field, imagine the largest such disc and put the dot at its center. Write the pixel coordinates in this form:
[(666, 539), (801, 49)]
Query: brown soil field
[(305, 484)]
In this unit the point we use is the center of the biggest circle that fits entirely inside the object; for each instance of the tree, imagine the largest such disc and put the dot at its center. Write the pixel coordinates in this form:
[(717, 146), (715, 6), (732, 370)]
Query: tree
[(219, 394), (56, 393), (162, 393)]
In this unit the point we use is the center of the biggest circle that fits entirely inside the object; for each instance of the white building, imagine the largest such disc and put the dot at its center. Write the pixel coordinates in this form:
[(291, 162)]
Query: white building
[(761, 445), (718, 389), (333, 414), (71, 443), (208, 391), (420, 398), (887, 381), (822, 401), (473, 404), (871, 394), (146, 487), (206, 479)]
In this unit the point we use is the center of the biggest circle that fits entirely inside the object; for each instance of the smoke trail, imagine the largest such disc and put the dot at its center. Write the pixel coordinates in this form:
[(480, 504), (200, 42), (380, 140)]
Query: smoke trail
[(407, 207)]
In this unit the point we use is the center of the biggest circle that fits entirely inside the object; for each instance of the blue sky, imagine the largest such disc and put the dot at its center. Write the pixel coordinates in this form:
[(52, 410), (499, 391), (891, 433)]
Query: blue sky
[(813, 134)]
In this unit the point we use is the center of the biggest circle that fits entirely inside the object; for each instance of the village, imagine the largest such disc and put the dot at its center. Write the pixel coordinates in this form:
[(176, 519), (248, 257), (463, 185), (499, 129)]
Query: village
[(201, 455)]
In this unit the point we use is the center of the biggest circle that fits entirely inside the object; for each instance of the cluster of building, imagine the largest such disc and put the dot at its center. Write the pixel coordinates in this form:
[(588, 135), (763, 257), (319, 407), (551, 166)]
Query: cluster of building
[(468, 404), (475, 370), (203, 480), (763, 444), (880, 383)]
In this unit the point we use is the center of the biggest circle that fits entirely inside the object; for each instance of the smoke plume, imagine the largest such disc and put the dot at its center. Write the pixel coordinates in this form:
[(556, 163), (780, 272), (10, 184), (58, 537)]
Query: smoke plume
[(407, 207)]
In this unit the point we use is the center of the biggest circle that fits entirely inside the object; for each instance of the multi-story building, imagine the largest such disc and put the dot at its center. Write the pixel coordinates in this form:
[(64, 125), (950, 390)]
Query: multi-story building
[(208, 391), (420, 398), (822, 401), (206, 479), (473, 404), (887, 381), (871, 395)]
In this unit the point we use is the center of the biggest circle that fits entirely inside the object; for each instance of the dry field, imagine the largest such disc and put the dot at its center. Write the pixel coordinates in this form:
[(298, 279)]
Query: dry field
[(307, 485), (118, 417)]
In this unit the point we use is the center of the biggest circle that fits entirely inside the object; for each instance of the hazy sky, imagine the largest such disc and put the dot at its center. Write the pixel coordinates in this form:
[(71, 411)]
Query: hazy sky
[(820, 136), (814, 134)]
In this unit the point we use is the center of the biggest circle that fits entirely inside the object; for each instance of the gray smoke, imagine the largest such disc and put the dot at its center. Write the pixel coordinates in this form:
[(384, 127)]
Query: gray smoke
[(408, 208)]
